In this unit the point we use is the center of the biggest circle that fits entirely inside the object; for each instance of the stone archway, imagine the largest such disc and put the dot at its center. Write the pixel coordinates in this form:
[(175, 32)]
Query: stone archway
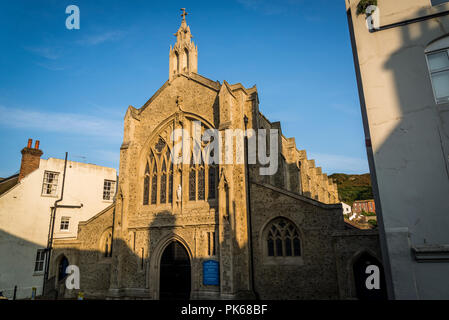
[(175, 273), (359, 267), (62, 266)]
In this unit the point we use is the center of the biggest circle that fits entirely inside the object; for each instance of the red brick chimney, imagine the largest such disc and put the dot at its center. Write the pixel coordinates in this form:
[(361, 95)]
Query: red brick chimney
[(30, 159)]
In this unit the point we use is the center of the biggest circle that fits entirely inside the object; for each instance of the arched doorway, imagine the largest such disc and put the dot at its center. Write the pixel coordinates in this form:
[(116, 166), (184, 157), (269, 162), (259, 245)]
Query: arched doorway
[(63, 264), (175, 273), (360, 277)]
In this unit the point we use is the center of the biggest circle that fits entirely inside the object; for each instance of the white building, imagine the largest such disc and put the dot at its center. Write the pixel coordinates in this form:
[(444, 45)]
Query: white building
[(402, 70), (346, 208), (27, 201)]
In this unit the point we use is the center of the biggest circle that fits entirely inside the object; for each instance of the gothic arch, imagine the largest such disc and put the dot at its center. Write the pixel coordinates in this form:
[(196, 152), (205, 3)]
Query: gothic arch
[(153, 268), (105, 243), (148, 181), (164, 125), (350, 271), (294, 258)]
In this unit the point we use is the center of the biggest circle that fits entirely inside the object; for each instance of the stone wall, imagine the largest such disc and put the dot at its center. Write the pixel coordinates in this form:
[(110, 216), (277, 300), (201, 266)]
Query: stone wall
[(328, 247)]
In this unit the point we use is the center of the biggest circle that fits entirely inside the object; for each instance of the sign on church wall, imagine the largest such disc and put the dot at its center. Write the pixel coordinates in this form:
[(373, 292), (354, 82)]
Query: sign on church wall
[(211, 274)]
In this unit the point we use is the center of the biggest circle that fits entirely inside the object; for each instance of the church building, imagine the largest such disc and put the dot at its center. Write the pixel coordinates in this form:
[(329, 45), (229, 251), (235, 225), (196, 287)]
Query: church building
[(208, 230)]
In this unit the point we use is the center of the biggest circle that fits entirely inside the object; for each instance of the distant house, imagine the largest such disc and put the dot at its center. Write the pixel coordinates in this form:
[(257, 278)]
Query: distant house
[(27, 204), (346, 208), (360, 206)]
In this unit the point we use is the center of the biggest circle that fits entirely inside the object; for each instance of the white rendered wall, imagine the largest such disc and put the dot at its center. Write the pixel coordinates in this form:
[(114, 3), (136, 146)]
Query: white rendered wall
[(25, 218), (410, 141)]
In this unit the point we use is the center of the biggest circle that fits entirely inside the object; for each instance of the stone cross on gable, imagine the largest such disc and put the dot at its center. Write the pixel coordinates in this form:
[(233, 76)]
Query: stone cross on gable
[(184, 13)]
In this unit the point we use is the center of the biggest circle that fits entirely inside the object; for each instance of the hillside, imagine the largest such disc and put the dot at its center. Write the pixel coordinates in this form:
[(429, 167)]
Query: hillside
[(353, 187)]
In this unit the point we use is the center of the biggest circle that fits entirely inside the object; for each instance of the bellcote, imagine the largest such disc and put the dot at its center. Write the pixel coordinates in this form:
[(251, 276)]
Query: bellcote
[(184, 54)]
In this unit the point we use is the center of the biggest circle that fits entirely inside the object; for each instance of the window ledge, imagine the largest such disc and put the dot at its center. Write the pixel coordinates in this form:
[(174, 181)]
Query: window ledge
[(49, 195), (284, 261), (38, 273), (431, 253)]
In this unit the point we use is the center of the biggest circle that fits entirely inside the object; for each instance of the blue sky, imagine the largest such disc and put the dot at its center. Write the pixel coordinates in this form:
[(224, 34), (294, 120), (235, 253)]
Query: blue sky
[(70, 88)]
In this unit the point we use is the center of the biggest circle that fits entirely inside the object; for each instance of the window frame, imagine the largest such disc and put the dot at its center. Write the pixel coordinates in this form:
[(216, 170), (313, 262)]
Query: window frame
[(431, 73), (281, 260), (40, 253), (65, 221), (438, 4), (111, 190), (54, 185)]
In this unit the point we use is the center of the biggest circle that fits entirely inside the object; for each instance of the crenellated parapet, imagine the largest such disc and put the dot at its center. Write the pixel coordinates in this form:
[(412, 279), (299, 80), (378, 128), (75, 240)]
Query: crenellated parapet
[(296, 172)]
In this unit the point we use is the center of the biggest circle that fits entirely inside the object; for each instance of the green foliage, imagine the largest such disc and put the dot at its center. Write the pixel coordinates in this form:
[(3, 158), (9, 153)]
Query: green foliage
[(363, 4), (373, 223), (368, 214), (353, 187)]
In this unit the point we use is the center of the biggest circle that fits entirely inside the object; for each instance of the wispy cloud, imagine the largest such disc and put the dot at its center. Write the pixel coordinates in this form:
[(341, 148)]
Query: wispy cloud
[(334, 163), (51, 67), (66, 123), (50, 53), (95, 39)]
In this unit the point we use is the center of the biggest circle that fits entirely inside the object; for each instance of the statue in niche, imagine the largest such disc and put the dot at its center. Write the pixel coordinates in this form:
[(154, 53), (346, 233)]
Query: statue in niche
[(179, 193)]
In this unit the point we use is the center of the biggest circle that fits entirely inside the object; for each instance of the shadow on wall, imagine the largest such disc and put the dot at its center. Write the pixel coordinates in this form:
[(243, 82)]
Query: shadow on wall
[(415, 151), (163, 261), (411, 155), (18, 266)]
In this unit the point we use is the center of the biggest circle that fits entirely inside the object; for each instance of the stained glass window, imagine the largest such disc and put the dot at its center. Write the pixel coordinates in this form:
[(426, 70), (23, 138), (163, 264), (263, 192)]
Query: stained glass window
[(201, 187), (146, 185), (192, 184), (153, 189), (212, 182)]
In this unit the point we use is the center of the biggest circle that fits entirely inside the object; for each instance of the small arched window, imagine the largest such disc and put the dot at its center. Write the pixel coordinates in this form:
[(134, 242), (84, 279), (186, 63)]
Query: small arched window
[(106, 244), (187, 66), (177, 61), (282, 239)]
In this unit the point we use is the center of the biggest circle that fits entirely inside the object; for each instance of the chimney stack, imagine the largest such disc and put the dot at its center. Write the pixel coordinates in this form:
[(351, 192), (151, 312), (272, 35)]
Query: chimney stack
[(30, 159)]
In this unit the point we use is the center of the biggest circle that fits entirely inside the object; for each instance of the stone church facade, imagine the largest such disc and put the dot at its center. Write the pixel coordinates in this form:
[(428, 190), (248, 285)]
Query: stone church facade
[(278, 236)]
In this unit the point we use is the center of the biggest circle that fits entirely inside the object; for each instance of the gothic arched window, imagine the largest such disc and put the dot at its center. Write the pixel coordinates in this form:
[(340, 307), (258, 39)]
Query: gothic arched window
[(202, 178), (158, 177), (282, 239)]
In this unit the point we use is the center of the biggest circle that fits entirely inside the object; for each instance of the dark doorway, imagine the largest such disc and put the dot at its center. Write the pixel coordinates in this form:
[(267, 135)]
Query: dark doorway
[(360, 277), (175, 273), (63, 264)]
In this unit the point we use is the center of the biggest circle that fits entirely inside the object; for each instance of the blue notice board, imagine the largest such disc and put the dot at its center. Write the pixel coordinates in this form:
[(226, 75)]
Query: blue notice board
[(211, 274)]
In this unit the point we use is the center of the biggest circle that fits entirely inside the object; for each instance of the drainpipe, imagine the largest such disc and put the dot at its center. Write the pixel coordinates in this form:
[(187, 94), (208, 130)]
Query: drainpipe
[(113, 216), (52, 227), (248, 206)]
